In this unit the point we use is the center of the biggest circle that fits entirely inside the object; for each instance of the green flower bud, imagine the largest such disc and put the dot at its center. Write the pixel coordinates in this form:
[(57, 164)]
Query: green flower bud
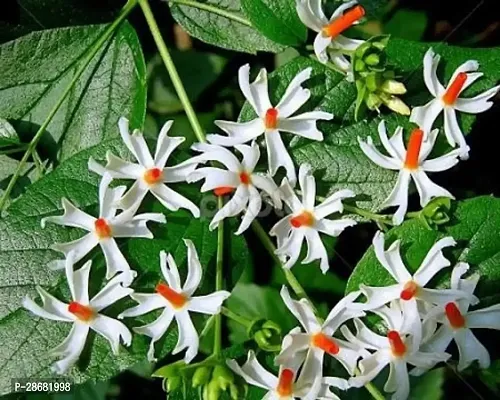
[(373, 102), (359, 65), (395, 104), (373, 82), (436, 212), (393, 87), (173, 383), (201, 376), (234, 391), (169, 370), (372, 60), (223, 375), (213, 391)]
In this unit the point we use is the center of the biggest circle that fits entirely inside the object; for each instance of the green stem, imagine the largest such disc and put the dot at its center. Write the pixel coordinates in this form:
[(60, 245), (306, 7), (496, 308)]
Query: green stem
[(237, 318), (212, 9), (86, 61), (385, 219), (219, 280), (172, 70), (290, 277), (372, 389)]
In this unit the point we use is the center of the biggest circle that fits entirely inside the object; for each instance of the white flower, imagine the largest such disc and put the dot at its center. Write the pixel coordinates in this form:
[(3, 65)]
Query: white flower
[(329, 32), (307, 220), (150, 174), (286, 386), (240, 177), (83, 313), (103, 230), (412, 163), (409, 288), (318, 339), (176, 300), (457, 324), (448, 100), (271, 120), (396, 349)]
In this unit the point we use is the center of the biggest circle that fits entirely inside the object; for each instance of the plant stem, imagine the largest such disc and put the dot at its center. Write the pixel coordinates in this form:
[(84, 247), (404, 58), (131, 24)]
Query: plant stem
[(373, 390), (237, 318), (385, 219), (290, 277), (172, 71), (218, 280), (212, 9), (86, 61)]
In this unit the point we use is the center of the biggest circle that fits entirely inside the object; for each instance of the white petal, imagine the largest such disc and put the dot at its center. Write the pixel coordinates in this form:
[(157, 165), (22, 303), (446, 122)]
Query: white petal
[(377, 157), (291, 247), (267, 185), (434, 261), (254, 373), (307, 186), (302, 311), (431, 61), (467, 66), (94, 166), (452, 130), (78, 281), (411, 322), (135, 143), (115, 261), (173, 200), (467, 285), (256, 92), (294, 342), (333, 203), (110, 294), (399, 197), (442, 163), (348, 356), (427, 360), (428, 189), (147, 303), (121, 169), (442, 296), (313, 365), (178, 173), (215, 178), (170, 272), (321, 43), (252, 211), (342, 8), (134, 196), (316, 250), (194, 269), (295, 95), (134, 229), (72, 217), (341, 313), (158, 327), (393, 146), (188, 337), (370, 367), (165, 145), (488, 318), (311, 14), (333, 227), (305, 124), (339, 60), (217, 153), (345, 43), (428, 145), (282, 230), (438, 343), (70, 348), (238, 132), (79, 247), (114, 331), (477, 104), (278, 156), (365, 338), (390, 258), (52, 308), (233, 207), (378, 296), (425, 116), (470, 349), (290, 197), (209, 304), (109, 197), (251, 155), (399, 380)]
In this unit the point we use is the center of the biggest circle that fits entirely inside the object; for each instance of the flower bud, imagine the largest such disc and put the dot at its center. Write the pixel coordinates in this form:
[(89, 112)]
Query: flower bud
[(212, 391), (201, 376), (372, 60), (373, 102), (395, 104), (223, 375), (393, 87), (373, 81), (267, 335), (172, 383), (169, 370), (436, 212)]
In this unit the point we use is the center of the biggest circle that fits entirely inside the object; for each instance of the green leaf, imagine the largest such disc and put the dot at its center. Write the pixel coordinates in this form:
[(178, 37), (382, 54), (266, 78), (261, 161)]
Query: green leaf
[(428, 386), (407, 24), (474, 225), (277, 20), (221, 23), (37, 68), (25, 252), (491, 376)]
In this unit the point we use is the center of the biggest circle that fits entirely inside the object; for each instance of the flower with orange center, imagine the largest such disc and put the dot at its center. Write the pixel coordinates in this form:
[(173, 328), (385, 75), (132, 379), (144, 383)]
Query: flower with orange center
[(271, 119), (285, 382), (305, 218), (153, 176), (410, 290), (102, 228), (83, 313), (398, 347), (448, 100), (238, 180), (329, 41), (325, 343), (455, 317), (412, 164), (177, 301)]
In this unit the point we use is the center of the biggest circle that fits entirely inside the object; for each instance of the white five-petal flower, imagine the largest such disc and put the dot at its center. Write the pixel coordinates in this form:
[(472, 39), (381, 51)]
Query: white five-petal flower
[(286, 386), (409, 288), (103, 230), (83, 313), (239, 177), (307, 220), (457, 323), (448, 100), (398, 349), (411, 163), (150, 174), (329, 31), (177, 301), (310, 346), (271, 120)]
